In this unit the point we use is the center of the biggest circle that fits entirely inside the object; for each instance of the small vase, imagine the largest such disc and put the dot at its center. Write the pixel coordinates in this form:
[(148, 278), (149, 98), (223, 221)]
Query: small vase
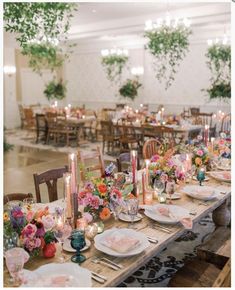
[(49, 250)]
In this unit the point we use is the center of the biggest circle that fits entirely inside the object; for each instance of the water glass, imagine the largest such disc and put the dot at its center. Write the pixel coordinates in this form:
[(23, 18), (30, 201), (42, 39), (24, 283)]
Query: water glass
[(10, 241), (62, 232), (158, 187), (15, 259), (132, 208), (170, 189)]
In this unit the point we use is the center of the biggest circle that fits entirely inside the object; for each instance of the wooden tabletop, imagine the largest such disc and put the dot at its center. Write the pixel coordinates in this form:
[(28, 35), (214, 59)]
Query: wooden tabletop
[(131, 264)]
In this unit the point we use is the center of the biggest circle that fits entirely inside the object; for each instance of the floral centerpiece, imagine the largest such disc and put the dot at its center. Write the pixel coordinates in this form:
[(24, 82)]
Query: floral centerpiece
[(201, 156), (165, 168), (35, 228), (222, 148), (94, 199)]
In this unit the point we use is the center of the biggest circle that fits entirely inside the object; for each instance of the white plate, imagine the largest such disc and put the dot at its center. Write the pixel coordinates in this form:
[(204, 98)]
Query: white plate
[(152, 212), (67, 246), (43, 276), (144, 243), (220, 176), (174, 196), (225, 168), (206, 178), (126, 218), (201, 192)]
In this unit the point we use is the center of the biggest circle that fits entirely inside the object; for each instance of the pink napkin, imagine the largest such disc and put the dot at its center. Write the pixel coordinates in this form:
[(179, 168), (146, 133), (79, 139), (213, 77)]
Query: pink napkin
[(120, 242), (185, 221)]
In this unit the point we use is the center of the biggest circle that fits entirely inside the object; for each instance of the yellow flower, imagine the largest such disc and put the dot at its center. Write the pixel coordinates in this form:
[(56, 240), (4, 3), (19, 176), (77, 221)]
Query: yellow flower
[(5, 217)]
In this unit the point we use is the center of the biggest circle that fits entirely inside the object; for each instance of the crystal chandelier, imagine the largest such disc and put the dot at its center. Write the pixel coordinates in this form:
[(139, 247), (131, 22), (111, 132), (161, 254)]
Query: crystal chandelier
[(223, 41), (114, 51), (168, 21)]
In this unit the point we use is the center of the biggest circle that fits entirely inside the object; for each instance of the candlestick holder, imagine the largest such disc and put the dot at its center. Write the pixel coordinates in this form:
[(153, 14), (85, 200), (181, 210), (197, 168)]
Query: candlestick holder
[(72, 158), (134, 154)]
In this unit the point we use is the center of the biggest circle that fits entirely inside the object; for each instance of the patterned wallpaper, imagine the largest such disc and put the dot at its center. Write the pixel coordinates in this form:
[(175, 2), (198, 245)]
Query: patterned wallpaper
[(87, 82)]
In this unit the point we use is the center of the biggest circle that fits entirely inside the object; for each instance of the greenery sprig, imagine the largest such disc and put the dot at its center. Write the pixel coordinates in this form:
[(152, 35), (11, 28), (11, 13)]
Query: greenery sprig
[(130, 89), (168, 45), (114, 65), (43, 22), (55, 90), (219, 63)]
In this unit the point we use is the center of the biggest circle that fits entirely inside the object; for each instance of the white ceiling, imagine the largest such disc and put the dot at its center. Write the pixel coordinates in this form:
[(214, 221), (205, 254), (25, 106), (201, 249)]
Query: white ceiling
[(122, 22), (116, 21)]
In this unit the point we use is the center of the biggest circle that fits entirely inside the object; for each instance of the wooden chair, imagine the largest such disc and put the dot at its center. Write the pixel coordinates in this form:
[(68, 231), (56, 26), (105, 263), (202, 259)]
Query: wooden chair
[(226, 124), (41, 127), (51, 119), (110, 135), (30, 123), (151, 147), (131, 137), (92, 162), (67, 130), (203, 119), (160, 132), (50, 178), (194, 111), (124, 159), (16, 196)]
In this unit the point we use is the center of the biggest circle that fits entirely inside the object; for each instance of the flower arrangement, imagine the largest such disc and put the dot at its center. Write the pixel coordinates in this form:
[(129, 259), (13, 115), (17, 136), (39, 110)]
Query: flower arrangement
[(165, 168), (35, 229), (219, 63), (95, 197), (200, 156), (130, 89), (222, 148), (168, 44), (55, 90)]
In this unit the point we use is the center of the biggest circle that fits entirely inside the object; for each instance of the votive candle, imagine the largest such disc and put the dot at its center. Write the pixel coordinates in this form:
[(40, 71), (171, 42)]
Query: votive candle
[(81, 224), (148, 197), (147, 162)]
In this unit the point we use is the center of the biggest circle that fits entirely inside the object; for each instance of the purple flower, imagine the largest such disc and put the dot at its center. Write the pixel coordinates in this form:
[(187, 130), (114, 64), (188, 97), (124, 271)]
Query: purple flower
[(89, 186), (17, 218)]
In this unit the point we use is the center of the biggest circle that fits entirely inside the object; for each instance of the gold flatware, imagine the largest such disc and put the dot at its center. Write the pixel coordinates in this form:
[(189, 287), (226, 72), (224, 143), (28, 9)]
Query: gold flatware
[(98, 261), (99, 276), (111, 262), (97, 279), (152, 240), (164, 229)]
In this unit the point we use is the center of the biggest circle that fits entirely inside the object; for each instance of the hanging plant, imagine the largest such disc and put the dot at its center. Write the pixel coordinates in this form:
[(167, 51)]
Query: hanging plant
[(55, 90), (168, 44), (39, 27), (219, 63), (130, 89), (114, 65)]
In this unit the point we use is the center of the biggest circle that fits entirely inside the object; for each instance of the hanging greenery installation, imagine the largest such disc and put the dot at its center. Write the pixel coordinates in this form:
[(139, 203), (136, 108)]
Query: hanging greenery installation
[(39, 27), (130, 89), (219, 63), (55, 90), (168, 44), (114, 65)]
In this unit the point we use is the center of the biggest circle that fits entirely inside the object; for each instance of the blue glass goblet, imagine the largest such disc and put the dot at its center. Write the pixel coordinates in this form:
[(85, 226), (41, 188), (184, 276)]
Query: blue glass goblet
[(201, 176), (78, 242)]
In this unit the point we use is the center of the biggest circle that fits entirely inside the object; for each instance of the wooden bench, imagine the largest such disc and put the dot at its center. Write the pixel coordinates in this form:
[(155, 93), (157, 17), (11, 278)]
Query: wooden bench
[(211, 267)]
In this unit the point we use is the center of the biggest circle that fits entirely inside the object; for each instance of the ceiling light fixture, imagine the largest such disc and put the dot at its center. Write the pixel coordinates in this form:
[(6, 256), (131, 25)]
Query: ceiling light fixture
[(137, 71), (224, 41), (114, 51), (168, 21)]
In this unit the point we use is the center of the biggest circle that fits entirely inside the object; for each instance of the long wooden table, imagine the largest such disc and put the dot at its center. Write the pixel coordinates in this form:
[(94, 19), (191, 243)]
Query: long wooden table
[(131, 264)]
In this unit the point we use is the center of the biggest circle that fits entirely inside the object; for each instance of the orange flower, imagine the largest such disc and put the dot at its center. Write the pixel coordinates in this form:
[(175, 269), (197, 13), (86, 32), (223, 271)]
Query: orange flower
[(105, 213), (102, 188), (198, 161), (130, 195), (5, 216)]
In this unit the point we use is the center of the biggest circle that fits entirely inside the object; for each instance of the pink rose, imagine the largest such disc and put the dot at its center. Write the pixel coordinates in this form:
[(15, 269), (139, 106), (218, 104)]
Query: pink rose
[(200, 152), (29, 231), (95, 202), (29, 216), (155, 158)]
